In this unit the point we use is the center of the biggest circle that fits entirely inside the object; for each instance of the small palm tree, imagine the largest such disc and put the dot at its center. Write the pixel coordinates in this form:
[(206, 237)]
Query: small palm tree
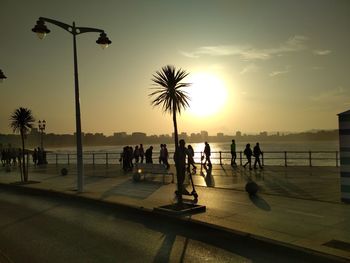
[(167, 93), (21, 121)]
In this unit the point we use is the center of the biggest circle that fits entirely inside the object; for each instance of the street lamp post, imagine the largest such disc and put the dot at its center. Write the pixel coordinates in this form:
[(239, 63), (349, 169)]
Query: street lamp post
[(42, 126), (2, 76), (41, 30)]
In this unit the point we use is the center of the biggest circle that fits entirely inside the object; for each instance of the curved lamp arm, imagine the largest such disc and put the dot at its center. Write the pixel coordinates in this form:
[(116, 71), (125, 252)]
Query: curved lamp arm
[(71, 28)]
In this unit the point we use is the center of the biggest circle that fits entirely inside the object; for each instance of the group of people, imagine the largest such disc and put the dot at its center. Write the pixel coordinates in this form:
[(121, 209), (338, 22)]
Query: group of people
[(131, 155), (10, 156), (39, 156), (138, 155), (248, 152)]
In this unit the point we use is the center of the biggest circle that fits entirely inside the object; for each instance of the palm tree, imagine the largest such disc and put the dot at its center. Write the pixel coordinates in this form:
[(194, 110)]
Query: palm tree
[(167, 93), (21, 121)]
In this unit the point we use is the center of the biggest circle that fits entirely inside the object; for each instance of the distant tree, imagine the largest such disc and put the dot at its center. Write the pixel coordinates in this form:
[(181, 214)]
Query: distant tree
[(21, 121), (167, 93)]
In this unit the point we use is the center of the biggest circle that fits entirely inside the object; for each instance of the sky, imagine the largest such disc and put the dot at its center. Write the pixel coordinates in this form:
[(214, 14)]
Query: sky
[(254, 65)]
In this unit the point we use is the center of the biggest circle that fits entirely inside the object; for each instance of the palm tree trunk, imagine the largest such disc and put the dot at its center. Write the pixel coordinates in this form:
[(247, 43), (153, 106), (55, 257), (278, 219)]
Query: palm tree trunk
[(178, 168), (25, 175)]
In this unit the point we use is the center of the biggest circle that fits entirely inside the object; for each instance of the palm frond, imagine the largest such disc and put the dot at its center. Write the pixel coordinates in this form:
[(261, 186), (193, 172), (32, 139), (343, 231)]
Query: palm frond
[(167, 91), (21, 120)]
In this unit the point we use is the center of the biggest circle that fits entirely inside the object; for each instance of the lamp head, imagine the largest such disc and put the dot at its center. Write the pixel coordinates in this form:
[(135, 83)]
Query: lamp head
[(103, 40), (40, 29)]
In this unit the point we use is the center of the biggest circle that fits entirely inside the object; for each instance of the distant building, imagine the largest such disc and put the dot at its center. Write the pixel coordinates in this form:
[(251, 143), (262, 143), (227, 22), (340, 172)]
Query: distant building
[(219, 135), (263, 134), (238, 134), (204, 135), (120, 135), (140, 136), (183, 135)]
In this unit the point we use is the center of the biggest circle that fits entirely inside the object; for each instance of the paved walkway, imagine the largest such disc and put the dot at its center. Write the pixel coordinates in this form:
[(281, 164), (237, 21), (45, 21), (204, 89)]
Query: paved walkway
[(296, 206)]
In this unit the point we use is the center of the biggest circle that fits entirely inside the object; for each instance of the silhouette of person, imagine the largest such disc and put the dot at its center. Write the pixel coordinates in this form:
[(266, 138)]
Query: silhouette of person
[(148, 155), (257, 152), (166, 156), (233, 153), (142, 152), (248, 153), (190, 159), (35, 156), (137, 154), (207, 153), (161, 154), (124, 159), (180, 161)]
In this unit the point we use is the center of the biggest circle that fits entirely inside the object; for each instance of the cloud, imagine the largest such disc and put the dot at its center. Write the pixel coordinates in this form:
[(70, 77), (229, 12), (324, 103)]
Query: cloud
[(279, 72), (337, 99), (332, 95), (276, 73), (247, 52), (322, 52), (249, 69)]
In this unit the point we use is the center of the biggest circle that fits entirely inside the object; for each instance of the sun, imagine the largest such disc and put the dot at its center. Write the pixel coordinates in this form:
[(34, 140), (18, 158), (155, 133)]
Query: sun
[(207, 94)]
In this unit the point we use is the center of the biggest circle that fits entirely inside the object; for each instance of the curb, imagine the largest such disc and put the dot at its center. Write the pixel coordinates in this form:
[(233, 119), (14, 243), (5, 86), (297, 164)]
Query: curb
[(171, 218)]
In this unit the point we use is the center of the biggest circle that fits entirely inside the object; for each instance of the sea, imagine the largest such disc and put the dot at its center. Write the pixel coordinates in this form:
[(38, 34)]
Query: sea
[(315, 153)]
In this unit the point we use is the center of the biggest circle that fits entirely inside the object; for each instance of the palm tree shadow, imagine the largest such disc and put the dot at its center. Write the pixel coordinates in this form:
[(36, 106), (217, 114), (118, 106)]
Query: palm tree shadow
[(260, 202)]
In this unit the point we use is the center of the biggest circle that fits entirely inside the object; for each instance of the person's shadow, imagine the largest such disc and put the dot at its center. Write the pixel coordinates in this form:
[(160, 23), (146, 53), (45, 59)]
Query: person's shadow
[(208, 177), (260, 202)]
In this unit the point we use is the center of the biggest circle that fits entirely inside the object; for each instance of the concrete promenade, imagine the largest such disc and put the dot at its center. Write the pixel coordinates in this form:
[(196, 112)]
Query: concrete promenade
[(297, 207)]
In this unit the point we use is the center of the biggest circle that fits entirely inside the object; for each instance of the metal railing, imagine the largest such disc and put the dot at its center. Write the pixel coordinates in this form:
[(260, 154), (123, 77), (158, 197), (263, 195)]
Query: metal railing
[(282, 158)]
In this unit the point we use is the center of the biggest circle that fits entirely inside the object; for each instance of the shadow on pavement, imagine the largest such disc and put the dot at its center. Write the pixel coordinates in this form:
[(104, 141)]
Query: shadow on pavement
[(260, 202), (129, 188)]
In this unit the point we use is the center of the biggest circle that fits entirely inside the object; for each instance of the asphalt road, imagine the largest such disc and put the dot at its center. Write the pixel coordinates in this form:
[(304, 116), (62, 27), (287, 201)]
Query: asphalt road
[(54, 229)]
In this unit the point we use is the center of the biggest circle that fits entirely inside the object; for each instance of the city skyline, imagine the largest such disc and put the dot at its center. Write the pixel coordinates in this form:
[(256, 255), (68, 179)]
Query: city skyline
[(271, 66), (35, 138)]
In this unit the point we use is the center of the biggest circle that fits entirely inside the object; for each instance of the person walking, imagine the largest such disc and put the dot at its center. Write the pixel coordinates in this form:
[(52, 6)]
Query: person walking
[(248, 153), (161, 154), (190, 159), (257, 152), (142, 152), (166, 156), (207, 153), (233, 153), (35, 156), (137, 154), (148, 155)]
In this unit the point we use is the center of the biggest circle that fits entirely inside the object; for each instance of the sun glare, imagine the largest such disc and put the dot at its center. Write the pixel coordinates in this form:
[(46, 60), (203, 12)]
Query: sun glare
[(207, 93)]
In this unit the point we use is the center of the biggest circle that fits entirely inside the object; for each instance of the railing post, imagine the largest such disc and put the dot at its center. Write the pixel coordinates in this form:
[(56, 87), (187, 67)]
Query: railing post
[(285, 159), (336, 159), (310, 163), (262, 158), (68, 155), (56, 159), (106, 158), (220, 158), (93, 158), (240, 158)]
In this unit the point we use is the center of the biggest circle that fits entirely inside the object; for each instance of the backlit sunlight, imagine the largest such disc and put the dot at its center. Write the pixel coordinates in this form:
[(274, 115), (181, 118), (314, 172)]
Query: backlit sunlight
[(208, 94)]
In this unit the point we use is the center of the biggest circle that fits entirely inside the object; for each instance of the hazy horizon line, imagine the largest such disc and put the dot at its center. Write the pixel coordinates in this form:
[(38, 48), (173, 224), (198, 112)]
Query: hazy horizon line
[(189, 133)]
